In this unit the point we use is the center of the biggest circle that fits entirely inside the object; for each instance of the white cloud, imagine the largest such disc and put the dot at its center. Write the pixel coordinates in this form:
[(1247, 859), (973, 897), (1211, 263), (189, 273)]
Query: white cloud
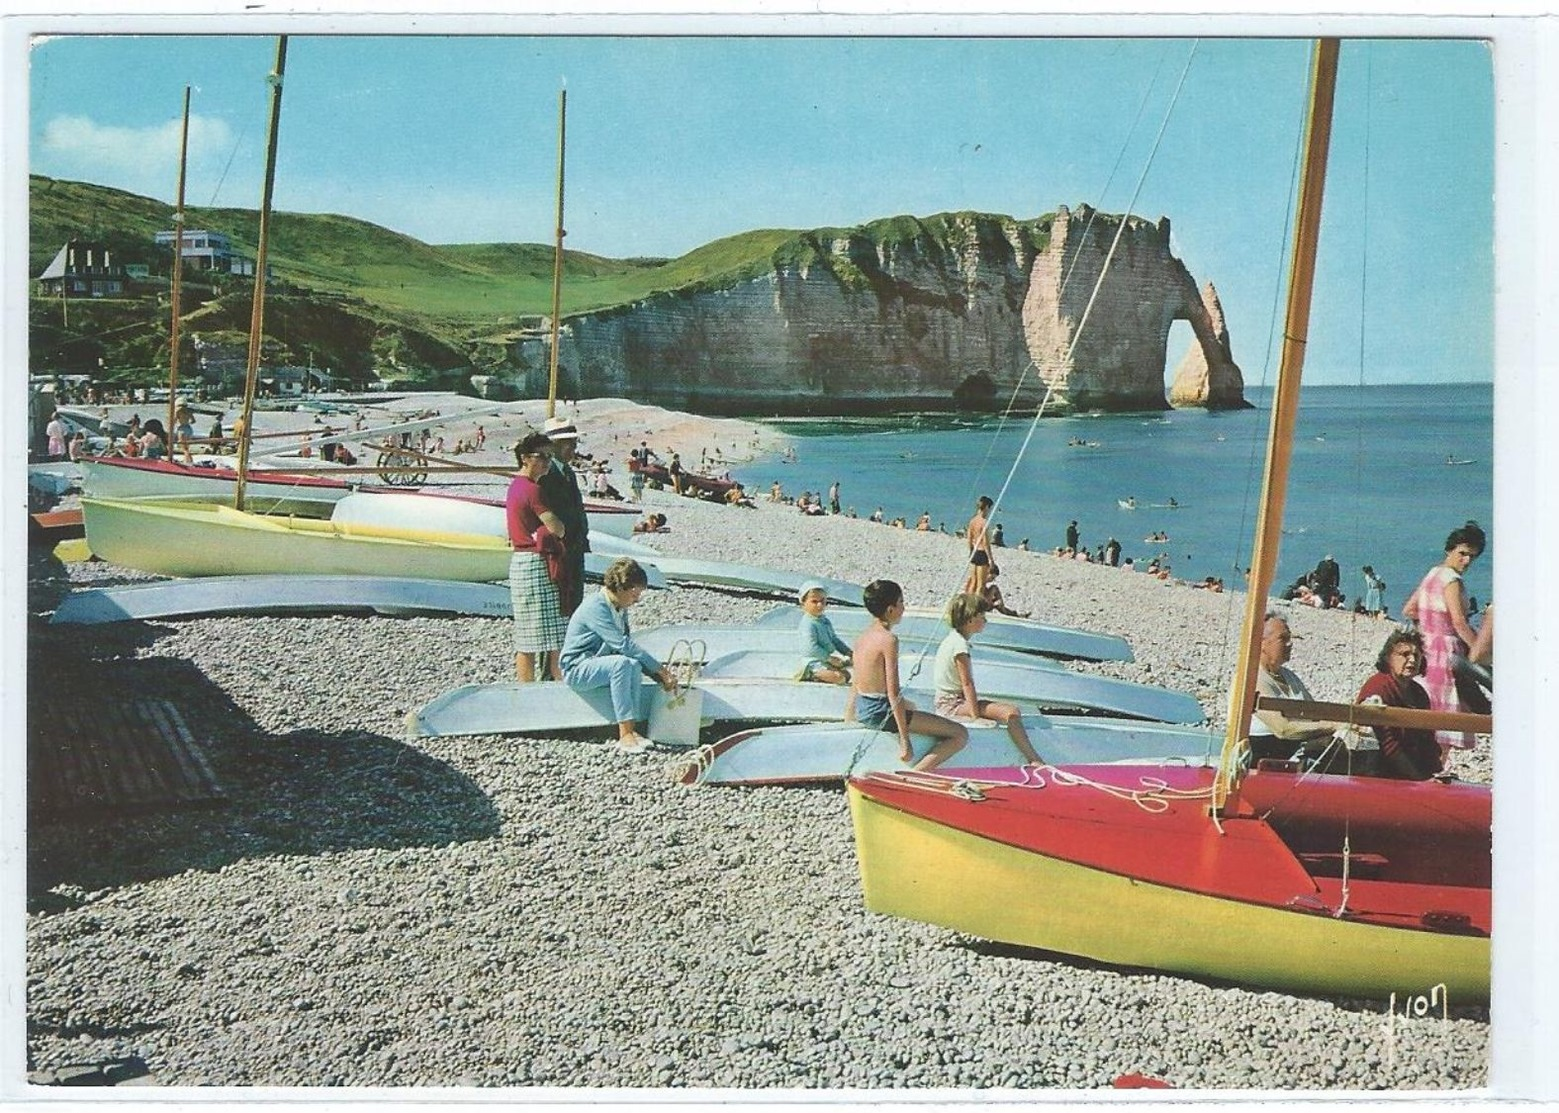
[(142, 160)]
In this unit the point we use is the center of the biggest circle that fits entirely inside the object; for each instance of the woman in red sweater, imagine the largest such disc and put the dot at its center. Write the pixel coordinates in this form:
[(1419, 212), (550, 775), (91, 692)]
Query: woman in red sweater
[(1405, 754)]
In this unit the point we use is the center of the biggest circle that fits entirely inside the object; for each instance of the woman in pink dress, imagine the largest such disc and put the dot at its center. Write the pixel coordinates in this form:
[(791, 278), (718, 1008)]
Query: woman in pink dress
[(1439, 606)]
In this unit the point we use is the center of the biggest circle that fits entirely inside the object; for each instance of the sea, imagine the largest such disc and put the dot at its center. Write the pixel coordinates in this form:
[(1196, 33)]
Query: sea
[(1379, 476)]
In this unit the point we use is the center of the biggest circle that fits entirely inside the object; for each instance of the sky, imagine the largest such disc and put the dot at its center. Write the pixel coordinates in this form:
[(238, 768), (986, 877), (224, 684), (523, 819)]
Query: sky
[(674, 141)]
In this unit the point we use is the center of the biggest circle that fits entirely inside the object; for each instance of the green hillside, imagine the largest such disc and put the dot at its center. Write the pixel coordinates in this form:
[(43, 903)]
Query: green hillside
[(461, 298)]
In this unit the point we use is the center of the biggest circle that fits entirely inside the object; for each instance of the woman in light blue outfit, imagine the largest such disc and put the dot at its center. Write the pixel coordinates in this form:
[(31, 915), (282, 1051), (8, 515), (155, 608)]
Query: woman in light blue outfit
[(1374, 588), (599, 651)]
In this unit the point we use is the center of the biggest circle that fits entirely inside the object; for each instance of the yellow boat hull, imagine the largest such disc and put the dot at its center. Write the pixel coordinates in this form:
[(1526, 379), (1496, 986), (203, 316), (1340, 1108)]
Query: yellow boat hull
[(178, 538), (918, 869)]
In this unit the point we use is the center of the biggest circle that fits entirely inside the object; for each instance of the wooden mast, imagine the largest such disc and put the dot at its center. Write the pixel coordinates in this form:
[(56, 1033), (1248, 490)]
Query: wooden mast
[(1285, 405), (257, 314), (557, 261), (178, 277)]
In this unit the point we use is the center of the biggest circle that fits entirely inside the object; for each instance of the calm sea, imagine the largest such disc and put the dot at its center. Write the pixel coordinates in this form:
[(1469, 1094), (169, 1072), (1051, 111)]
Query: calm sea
[(1370, 482)]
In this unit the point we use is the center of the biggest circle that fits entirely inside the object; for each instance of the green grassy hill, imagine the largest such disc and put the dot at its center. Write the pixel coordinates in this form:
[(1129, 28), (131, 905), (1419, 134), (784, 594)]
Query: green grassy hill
[(460, 297)]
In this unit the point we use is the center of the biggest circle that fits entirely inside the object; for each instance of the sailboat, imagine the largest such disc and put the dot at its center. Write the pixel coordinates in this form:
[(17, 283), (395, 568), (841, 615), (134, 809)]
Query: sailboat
[(1269, 877), (294, 534)]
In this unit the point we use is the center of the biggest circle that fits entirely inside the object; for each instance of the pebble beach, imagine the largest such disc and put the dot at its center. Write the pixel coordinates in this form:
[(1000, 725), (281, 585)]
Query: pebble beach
[(367, 909)]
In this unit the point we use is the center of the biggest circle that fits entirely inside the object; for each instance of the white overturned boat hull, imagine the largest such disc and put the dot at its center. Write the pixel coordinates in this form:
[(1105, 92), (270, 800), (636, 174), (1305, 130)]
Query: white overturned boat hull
[(747, 577), (1021, 682), (216, 595), (926, 626), (610, 545), (430, 510), (711, 642), (459, 514), (453, 513), (548, 706), (728, 695), (820, 753)]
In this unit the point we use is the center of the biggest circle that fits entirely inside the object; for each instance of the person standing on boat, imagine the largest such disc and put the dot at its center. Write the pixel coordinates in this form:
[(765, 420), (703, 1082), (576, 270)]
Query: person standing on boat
[(1439, 607), (1273, 734), (561, 491), (979, 541), (1409, 755), (875, 700), (599, 650), (537, 563)]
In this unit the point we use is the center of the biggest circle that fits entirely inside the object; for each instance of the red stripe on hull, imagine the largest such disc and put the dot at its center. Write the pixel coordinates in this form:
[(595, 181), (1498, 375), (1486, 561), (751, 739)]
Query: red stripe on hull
[(1414, 848)]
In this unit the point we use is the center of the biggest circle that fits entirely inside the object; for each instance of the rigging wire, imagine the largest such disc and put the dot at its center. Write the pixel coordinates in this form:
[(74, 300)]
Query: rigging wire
[(1241, 565), (1069, 269), (924, 645), (1364, 282), (1104, 271), (229, 165)]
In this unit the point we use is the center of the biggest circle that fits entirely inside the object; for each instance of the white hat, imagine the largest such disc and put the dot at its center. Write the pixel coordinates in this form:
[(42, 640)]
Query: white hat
[(560, 429)]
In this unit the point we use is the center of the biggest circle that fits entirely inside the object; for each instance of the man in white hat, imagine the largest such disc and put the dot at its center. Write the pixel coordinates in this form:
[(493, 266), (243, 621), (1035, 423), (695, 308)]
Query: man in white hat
[(561, 490)]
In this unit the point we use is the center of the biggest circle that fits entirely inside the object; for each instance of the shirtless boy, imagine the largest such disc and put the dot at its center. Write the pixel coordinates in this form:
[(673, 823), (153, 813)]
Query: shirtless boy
[(875, 686), (979, 548)]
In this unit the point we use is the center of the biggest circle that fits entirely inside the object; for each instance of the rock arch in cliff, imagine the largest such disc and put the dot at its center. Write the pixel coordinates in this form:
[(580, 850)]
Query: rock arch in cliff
[(1116, 359)]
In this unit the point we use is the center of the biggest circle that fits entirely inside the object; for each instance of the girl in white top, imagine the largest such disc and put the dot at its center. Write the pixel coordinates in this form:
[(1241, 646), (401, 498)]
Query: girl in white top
[(954, 676)]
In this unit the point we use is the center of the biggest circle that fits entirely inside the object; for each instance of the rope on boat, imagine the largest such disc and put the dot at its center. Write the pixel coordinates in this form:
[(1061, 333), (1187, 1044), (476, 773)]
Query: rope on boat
[(1154, 796), (692, 766)]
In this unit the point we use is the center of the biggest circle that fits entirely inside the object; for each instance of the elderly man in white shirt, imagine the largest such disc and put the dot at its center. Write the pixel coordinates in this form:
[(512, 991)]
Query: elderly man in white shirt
[(1272, 734)]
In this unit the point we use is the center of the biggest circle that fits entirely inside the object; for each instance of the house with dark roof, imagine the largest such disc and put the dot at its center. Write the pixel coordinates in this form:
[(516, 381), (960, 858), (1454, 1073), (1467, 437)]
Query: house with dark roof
[(83, 268)]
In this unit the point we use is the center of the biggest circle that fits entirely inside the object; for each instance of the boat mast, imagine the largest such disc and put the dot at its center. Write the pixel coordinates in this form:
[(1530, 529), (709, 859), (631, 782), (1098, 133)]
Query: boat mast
[(1285, 405), (257, 315), (178, 277), (557, 260)]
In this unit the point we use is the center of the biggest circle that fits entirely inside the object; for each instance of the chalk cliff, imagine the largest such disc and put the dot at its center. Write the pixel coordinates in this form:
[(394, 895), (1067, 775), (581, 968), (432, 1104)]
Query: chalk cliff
[(1216, 383), (901, 314), (1102, 345)]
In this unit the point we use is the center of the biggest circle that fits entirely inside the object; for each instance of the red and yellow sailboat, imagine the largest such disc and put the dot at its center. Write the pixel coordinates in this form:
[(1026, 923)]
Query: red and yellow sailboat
[(1274, 877)]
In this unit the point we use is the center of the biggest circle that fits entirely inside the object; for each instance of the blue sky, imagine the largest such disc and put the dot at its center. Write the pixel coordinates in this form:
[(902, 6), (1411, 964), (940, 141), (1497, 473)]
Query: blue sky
[(675, 141)]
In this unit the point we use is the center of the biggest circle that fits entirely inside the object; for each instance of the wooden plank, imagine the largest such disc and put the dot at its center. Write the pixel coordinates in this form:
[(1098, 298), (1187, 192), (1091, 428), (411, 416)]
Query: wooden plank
[(115, 752), (151, 783), (199, 781), (1377, 715)]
